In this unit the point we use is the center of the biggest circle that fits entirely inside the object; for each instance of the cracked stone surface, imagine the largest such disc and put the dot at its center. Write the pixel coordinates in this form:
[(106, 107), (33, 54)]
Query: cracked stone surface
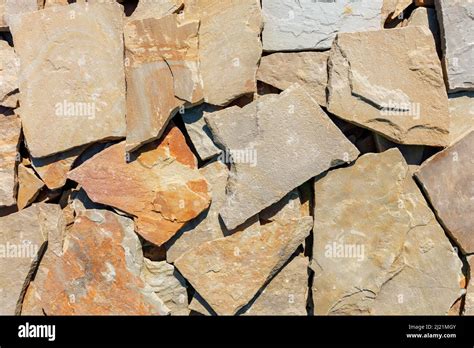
[(379, 248)]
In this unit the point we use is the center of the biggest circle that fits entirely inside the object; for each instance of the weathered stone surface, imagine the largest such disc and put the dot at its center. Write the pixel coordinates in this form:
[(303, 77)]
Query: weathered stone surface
[(229, 46), (72, 87), (287, 292), (309, 69), (97, 273), (9, 69), (165, 51), (448, 180), (269, 161), (393, 9), (10, 128), (379, 248), (160, 186), (29, 186), (155, 9), (456, 22), (14, 8), (306, 24), (425, 17), (168, 285), (228, 272), (199, 131), (410, 105), (52, 3), (469, 300), (22, 235), (461, 110)]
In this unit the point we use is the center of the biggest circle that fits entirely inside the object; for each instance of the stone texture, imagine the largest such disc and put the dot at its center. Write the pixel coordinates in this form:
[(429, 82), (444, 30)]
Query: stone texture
[(9, 70), (29, 186), (425, 17), (160, 186), (98, 272), (309, 69), (199, 131), (164, 50), (287, 292), (414, 155), (469, 300), (22, 235), (461, 110), (228, 272), (72, 87), (456, 22), (229, 46), (269, 161), (10, 128), (13, 8), (410, 105), (155, 9), (168, 285), (52, 3), (393, 9), (309, 25), (448, 180), (379, 248)]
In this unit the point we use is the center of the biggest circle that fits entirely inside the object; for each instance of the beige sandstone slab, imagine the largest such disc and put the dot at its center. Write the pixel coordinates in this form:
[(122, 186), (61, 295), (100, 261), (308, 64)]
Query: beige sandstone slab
[(379, 248), (469, 301), (10, 128), (160, 186), (155, 9), (461, 110), (29, 186), (72, 87), (403, 99)]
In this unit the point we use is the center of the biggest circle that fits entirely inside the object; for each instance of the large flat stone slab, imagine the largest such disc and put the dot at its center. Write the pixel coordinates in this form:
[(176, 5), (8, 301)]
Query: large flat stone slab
[(448, 180), (275, 144), (73, 86), (403, 99), (379, 248)]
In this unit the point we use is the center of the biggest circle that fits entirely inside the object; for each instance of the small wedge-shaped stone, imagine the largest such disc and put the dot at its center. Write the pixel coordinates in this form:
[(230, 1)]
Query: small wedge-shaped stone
[(448, 180), (309, 69), (228, 272), (456, 22), (22, 235), (161, 186), (72, 86), (378, 248), (9, 70), (229, 46), (287, 292), (404, 99), (461, 110), (10, 128), (29, 186), (98, 272), (312, 25), (168, 285), (276, 143)]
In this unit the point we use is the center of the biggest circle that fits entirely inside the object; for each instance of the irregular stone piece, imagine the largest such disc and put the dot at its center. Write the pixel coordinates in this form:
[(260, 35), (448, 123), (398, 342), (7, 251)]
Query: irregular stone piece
[(29, 186), (159, 50), (414, 155), (379, 248), (448, 180), (287, 292), (168, 284), (469, 300), (155, 9), (409, 106), (393, 9), (309, 69), (228, 272), (312, 25), (229, 46), (426, 17), (72, 87), (268, 160), (456, 22), (98, 272), (10, 128), (161, 186), (461, 110), (9, 69), (22, 235), (199, 131), (14, 8)]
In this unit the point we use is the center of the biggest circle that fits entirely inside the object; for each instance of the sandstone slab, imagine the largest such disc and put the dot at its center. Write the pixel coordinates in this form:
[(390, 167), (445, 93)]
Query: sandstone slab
[(160, 186), (379, 248), (409, 106), (469, 301), (268, 161), (74, 82), (98, 272), (461, 111), (155, 9), (448, 180), (14, 8), (22, 236), (309, 69), (10, 128), (9, 70), (159, 50), (312, 25), (29, 186), (456, 22)]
